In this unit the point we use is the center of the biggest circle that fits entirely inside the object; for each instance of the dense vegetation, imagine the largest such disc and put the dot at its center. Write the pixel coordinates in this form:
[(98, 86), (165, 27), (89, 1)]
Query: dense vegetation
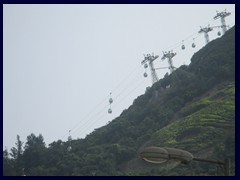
[(197, 113)]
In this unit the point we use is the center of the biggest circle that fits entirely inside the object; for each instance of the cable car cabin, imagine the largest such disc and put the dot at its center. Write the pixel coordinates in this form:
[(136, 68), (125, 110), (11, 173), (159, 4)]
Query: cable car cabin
[(145, 66), (193, 45), (219, 33), (109, 111), (145, 75), (69, 138), (183, 47), (110, 100)]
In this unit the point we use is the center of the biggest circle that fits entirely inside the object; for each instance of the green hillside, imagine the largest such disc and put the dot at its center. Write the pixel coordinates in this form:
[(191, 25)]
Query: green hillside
[(197, 114), (205, 127)]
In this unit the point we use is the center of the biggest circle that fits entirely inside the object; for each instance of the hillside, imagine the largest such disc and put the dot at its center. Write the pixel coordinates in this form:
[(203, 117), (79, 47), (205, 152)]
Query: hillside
[(205, 127), (197, 114)]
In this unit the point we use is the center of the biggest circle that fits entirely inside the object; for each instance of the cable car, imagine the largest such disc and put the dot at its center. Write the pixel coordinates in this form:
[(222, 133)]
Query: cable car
[(145, 74), (110, 100), (183, 46), (193, 44), (219, 33), (145, 65)]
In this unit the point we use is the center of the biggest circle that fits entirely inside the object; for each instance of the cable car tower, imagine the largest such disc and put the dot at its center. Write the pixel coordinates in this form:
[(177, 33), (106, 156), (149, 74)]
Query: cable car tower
[(69, 148), (150, 58), (222, 15), (205, 31), (169, 55)]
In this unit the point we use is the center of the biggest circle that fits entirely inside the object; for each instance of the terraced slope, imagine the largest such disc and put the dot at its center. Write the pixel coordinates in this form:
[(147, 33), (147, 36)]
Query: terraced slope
[(206, 129)]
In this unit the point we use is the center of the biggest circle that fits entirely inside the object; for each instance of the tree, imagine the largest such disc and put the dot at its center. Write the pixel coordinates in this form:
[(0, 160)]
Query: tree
[(8, 164), (34, 154), (16, 154)]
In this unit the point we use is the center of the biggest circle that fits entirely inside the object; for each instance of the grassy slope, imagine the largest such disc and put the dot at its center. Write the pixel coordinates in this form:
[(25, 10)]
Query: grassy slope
[(206, 129), (209, 118)]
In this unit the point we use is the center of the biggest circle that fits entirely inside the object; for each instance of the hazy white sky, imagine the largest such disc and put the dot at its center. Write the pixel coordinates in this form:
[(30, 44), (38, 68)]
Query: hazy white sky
[(60, 62)]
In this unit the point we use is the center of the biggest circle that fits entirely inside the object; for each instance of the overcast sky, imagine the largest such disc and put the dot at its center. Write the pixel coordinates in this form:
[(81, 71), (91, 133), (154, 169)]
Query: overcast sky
[(60, 62)]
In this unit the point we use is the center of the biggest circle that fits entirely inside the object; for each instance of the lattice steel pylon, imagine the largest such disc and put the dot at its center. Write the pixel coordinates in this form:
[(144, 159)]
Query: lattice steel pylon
[(150, 58), (222, 15), (169, 55), (205, 31)]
